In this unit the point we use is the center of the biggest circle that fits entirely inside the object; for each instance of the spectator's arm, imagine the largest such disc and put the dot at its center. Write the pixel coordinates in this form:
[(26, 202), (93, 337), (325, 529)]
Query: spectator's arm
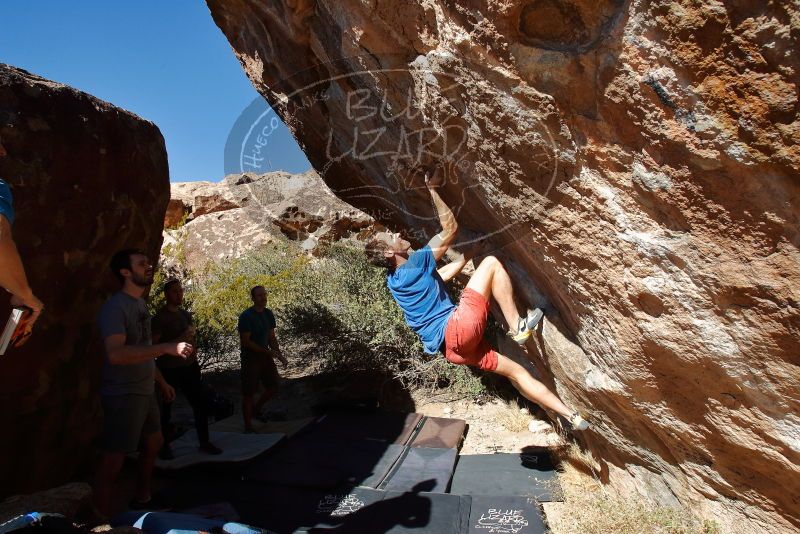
[(166, 390), (12, 273), (121, 354), (273, 343), (251, 345)]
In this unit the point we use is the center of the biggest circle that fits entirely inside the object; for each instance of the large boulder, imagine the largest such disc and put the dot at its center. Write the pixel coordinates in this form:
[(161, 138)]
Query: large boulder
[(257, 209), (88, 179), (636, 166)]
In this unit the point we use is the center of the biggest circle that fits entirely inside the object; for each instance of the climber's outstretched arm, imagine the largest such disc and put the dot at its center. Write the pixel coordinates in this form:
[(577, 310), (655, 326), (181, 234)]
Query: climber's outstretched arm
[(445, 238)]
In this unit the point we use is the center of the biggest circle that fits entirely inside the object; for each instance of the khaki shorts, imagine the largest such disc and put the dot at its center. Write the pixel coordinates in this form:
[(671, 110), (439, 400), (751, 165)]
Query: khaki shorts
[(127, 419), (261, 370)]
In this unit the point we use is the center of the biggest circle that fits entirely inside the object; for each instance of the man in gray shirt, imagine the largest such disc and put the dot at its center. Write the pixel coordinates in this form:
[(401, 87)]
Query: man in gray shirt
[(130, 409)]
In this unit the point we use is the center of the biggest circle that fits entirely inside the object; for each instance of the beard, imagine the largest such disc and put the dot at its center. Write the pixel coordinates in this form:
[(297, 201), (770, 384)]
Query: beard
[(142, 281)]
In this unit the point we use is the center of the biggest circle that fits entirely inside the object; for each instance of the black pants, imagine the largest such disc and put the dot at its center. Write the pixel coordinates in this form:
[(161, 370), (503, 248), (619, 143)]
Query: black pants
[(187, 380)]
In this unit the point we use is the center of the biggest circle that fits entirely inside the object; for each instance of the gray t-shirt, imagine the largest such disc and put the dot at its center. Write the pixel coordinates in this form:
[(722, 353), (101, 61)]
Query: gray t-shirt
[(124, 314)]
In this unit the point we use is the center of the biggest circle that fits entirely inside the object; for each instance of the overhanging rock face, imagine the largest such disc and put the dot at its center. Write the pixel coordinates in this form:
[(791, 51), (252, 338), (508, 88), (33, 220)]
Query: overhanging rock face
[(637, 162), (88, 179)]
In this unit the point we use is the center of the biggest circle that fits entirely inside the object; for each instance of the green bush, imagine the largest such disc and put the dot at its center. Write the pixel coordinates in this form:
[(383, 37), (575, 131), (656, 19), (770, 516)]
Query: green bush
[(334, 313)]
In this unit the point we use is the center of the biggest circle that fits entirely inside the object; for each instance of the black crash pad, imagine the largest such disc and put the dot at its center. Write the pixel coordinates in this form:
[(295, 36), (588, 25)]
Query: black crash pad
[(419, 465), (273, 507), (505, 515), (385, 427), (401, 513), (525, 474), (326, 463)]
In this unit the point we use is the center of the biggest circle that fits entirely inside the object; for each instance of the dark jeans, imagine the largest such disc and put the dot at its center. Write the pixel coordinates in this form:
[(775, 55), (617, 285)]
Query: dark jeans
[(187, 380)]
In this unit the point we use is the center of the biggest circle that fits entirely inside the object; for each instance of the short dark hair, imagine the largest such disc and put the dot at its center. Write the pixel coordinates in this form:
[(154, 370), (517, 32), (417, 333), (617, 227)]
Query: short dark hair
[(122, 260), (375, 250), (171, 282), (253, 290)]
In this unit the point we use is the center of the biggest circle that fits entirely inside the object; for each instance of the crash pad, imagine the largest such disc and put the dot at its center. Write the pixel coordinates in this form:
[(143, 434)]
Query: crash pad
[(381, 426), (524, 474), (422, 464), (235, 448), (505, 515), (235, 424), (440, 433), (326, 463)]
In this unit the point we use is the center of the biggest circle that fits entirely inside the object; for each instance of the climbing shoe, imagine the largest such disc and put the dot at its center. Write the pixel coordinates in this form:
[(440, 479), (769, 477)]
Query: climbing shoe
[(526, 325), (578, 422)]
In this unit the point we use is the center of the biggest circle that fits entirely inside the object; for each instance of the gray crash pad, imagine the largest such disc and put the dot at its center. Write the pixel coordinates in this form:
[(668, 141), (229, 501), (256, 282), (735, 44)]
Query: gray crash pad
[(419, 465), (529, 474)]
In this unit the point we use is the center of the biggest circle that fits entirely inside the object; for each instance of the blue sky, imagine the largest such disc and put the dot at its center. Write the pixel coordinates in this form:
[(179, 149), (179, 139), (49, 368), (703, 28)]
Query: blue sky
[(166, 61)]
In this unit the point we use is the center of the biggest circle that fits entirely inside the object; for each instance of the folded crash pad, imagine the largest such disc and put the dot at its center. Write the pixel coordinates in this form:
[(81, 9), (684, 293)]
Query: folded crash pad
[(420, 465), (440, 433), (303, 462), (524, 474), (235, 448), (505, 515)]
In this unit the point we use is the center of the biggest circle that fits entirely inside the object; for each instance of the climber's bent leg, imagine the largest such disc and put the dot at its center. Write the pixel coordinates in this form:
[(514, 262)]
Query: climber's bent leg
[(531, 389), (492, 281)]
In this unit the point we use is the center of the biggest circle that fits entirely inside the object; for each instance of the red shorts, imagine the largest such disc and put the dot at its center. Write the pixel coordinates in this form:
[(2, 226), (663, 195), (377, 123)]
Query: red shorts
[(463, 336)]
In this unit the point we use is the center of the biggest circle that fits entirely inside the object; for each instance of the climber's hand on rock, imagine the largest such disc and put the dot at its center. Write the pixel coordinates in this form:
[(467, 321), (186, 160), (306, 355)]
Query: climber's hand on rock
[(434, 178)]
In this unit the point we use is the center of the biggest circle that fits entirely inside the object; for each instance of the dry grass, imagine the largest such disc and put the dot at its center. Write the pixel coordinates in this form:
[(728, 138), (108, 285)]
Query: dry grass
[(589, 507), (512, 418)]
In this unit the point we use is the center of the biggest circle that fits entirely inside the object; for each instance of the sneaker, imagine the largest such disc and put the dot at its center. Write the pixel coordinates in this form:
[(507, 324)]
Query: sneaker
[(526, 325), (210, 448), (578, 422)]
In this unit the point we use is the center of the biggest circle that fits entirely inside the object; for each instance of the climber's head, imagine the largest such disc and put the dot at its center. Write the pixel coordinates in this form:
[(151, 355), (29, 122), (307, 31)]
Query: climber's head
[(387, 249)]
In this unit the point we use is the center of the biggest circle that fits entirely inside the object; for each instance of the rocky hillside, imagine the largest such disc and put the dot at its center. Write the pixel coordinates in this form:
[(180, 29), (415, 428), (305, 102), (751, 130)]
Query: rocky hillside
[(634, 162), (88, 179), (214, 221)]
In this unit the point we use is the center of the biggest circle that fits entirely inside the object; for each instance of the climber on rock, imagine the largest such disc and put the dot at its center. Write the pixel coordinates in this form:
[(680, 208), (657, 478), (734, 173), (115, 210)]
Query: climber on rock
[(457, 331)]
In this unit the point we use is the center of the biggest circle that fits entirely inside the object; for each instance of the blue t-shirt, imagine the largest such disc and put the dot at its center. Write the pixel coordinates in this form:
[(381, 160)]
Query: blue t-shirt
[(420, 292), (6, 202), (259, 324)]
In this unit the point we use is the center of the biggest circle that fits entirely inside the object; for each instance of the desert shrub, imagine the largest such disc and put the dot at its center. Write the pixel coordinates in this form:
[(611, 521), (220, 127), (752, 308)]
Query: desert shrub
[(334, 313)]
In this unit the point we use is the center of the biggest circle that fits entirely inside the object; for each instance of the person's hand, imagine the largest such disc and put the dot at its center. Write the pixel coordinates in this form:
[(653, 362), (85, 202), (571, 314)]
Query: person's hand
[(167, 392), (181, 350), (433, 178), (35, 306)]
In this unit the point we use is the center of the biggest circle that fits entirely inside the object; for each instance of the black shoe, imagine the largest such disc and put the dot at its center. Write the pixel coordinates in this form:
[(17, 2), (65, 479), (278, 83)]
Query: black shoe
[(210, 448)]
